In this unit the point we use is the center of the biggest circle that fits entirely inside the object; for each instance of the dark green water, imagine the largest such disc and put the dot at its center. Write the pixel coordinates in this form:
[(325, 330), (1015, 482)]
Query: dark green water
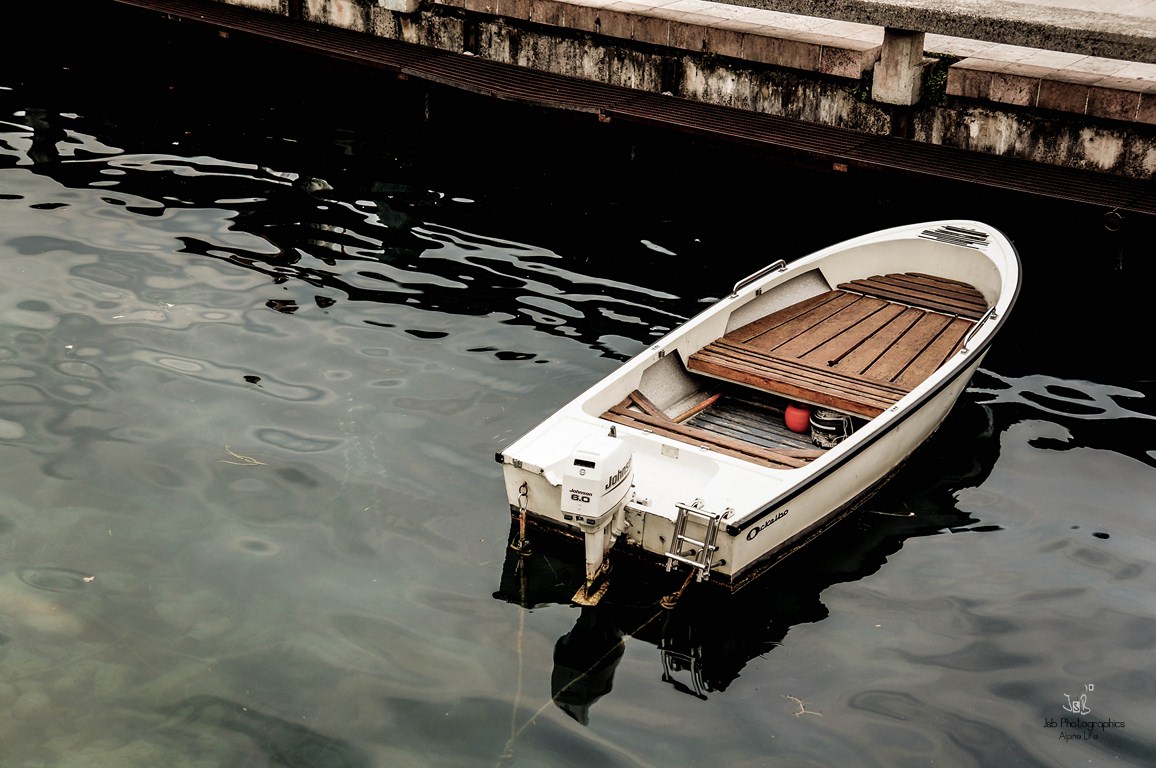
[(262, 333)]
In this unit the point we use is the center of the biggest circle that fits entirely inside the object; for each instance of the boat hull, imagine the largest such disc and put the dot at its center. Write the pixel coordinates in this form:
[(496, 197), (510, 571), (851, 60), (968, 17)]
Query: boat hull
[(730, 505)]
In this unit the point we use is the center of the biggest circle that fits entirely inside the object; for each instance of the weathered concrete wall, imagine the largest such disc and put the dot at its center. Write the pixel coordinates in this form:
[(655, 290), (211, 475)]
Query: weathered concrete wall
[(706, 78), (546, 42), (1114, 148)]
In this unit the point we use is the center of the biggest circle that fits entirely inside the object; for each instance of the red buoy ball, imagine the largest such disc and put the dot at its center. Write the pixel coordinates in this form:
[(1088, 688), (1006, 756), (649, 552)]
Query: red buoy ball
[(798, 417)]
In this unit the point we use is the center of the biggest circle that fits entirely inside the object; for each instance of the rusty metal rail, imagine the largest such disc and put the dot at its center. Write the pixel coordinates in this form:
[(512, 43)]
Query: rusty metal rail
[(723, 124)]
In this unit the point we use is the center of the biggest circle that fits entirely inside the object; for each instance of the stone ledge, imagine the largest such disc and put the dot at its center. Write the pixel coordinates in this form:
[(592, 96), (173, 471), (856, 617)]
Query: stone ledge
[(1087, 30), (694, 25), (1026, 85)]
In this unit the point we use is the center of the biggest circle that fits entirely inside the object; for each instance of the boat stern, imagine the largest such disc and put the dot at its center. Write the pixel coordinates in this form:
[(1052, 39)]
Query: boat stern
[(580, 483)]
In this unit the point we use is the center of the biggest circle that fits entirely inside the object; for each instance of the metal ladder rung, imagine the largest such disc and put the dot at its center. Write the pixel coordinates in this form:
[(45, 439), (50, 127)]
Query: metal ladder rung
[(682, 559), (701, 558)]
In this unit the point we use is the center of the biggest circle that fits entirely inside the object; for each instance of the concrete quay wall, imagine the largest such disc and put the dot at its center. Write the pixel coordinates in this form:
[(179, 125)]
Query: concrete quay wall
[(829, 71)]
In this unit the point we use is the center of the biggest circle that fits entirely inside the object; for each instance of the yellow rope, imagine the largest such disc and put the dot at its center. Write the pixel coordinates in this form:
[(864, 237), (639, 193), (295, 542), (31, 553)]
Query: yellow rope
[(515, 732), (671, 600), (521, 546), (508, 752)]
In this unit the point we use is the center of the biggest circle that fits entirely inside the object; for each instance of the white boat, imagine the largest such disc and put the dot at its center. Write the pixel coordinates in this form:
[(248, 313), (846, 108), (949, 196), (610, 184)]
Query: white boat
[(684, 453)]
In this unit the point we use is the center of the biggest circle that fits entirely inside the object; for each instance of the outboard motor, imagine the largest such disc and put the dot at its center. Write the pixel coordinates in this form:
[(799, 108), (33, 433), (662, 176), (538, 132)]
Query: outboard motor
[(596, 480)]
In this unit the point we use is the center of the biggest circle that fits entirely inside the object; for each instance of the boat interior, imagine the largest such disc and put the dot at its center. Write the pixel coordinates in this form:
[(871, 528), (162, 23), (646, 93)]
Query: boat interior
[(855, 349)]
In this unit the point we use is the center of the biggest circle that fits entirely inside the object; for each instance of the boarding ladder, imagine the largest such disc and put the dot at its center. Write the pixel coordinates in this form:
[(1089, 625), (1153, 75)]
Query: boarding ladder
[(694, 552), (690, 662)]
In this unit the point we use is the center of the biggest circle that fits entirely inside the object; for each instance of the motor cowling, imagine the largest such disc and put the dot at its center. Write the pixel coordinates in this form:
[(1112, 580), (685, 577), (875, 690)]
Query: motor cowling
[(596, 478)]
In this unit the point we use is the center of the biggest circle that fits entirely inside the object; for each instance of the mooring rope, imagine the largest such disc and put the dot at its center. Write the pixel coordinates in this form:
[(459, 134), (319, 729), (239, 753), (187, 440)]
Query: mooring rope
[(508, 751), (516, 732), (672, 599), (520, 545), (664, 605)]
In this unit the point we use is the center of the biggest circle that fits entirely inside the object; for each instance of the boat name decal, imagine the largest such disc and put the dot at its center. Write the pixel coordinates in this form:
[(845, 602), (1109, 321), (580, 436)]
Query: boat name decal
[(618, 476), (755, 531)]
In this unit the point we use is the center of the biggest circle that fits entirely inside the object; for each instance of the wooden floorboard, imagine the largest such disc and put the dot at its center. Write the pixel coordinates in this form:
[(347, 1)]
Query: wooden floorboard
[(637, 411), (758, 423), (857, 349)]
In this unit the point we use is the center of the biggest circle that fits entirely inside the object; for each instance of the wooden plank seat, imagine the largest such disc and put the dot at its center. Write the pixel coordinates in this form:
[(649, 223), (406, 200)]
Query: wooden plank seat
[(857, 349), (638, 411)]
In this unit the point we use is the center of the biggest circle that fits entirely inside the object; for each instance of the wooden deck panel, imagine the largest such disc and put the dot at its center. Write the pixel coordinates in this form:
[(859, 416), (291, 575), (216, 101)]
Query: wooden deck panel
[(867, 336), (786, 323), (855, 324), (909, 349), (795, 380), (864, 356), (938, 294), (939, 351), (857, 349)]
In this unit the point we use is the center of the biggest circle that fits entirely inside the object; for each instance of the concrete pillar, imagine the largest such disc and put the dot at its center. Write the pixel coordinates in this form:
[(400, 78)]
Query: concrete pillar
[(899, 71)]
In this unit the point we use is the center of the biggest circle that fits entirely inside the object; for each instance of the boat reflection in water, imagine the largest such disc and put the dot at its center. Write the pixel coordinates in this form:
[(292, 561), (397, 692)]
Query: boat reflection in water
[(705, 634)]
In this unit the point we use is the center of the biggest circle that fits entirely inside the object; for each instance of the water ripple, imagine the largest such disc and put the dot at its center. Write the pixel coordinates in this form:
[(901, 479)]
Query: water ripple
[(1063, 397)]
